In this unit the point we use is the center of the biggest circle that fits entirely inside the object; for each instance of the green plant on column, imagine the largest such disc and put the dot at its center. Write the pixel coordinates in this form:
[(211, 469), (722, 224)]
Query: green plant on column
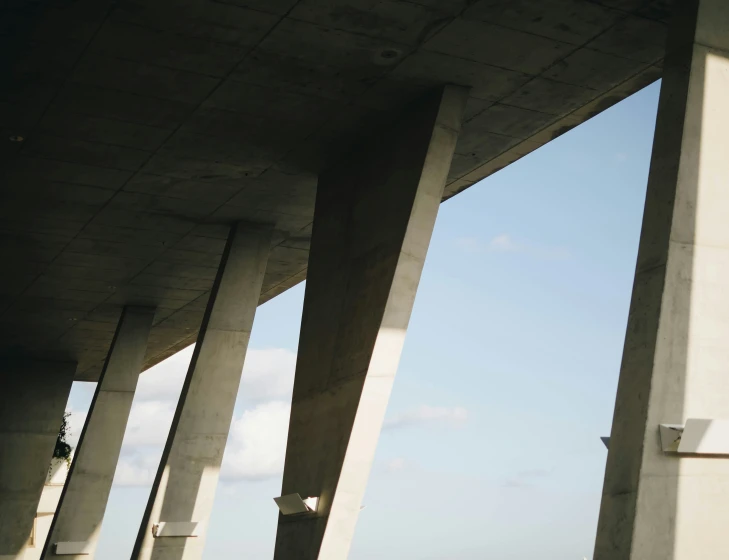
[(63, 448)]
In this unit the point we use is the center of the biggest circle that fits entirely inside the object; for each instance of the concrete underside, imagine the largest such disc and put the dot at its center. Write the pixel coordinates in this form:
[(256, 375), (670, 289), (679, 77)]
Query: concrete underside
[(149, 126)]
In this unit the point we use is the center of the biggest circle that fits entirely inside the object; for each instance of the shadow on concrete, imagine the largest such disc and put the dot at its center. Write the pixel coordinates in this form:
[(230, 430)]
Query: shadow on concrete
[(636, 466)]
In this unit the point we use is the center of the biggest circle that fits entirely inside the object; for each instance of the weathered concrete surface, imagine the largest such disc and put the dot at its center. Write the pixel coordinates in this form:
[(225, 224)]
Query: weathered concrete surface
[(659, 506), (46, 509), (368, 250), (83, 502), (184, 488), (150, 126), (32, 401)]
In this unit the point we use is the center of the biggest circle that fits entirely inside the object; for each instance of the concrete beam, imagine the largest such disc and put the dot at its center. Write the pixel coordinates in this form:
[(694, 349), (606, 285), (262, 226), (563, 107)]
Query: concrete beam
[(374, 216), (32, 400), (184, 488), (660, 505), (82, 505)]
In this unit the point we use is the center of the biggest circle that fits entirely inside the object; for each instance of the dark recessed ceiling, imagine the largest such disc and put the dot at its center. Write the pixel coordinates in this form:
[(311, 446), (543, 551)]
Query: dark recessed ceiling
[(149, 125)]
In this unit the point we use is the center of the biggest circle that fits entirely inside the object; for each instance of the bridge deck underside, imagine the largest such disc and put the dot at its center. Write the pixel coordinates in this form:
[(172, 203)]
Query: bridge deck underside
[(148, 126)]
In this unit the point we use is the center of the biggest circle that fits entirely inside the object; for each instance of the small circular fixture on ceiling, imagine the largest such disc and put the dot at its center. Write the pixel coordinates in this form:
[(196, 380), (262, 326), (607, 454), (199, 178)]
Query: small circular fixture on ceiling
[(16, 138), (387, 55)]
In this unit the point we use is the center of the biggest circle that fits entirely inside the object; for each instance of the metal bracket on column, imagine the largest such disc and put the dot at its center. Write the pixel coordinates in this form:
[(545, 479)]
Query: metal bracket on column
[(175, 529), (699, 436), (292, 504), (670, 437), (79, 548), (606, 441)]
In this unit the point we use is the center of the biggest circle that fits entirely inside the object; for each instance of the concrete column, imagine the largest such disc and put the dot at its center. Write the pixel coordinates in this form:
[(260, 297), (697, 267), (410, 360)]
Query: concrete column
[(182, 495), (33, 396), (656, 505), (374, 217), (81, 508)]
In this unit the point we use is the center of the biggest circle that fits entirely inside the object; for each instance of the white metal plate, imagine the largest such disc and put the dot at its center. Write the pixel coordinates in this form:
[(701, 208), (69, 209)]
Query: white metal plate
[(175, 529), (72, 548), (311, 503), (291, 504), (705, 436), (670, 437)]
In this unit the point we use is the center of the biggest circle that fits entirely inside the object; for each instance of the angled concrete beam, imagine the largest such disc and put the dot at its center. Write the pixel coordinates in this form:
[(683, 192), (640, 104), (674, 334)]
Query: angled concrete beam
[(175, 521), (81, 508), (33, 396), (658, 504), (374, 217)]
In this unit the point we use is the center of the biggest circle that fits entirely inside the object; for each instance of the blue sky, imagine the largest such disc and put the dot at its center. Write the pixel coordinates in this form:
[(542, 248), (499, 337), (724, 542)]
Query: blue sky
[(507, 380)]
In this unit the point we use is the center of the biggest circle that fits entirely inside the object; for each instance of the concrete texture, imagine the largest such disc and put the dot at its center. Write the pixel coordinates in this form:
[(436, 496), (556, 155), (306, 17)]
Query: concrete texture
[(32, 401), (83, 502), (368, 248), (659, 506), (149, 127), (184, 488), (46, 509)]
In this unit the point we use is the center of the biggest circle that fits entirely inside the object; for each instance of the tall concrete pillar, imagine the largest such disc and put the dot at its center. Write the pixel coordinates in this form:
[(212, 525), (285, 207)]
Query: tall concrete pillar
[(658, 505), (76, 525), (175, 521), (374, 217), (33, 396)]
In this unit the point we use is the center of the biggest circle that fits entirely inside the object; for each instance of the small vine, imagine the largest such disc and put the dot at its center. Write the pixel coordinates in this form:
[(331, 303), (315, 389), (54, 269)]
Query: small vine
[(63, 449)]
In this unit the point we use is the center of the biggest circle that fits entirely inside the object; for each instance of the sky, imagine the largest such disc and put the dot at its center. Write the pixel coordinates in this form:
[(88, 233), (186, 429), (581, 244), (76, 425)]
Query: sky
[(507, 380)]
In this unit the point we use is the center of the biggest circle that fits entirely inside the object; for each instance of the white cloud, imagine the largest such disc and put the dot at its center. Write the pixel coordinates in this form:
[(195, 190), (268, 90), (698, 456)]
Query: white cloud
[(504, 243), (149, 423), (256, 446), (424, 414), (255, 450), (396, 465), (164, 381), (137, 469), (268, 373), (145, 437), (257, 443)]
